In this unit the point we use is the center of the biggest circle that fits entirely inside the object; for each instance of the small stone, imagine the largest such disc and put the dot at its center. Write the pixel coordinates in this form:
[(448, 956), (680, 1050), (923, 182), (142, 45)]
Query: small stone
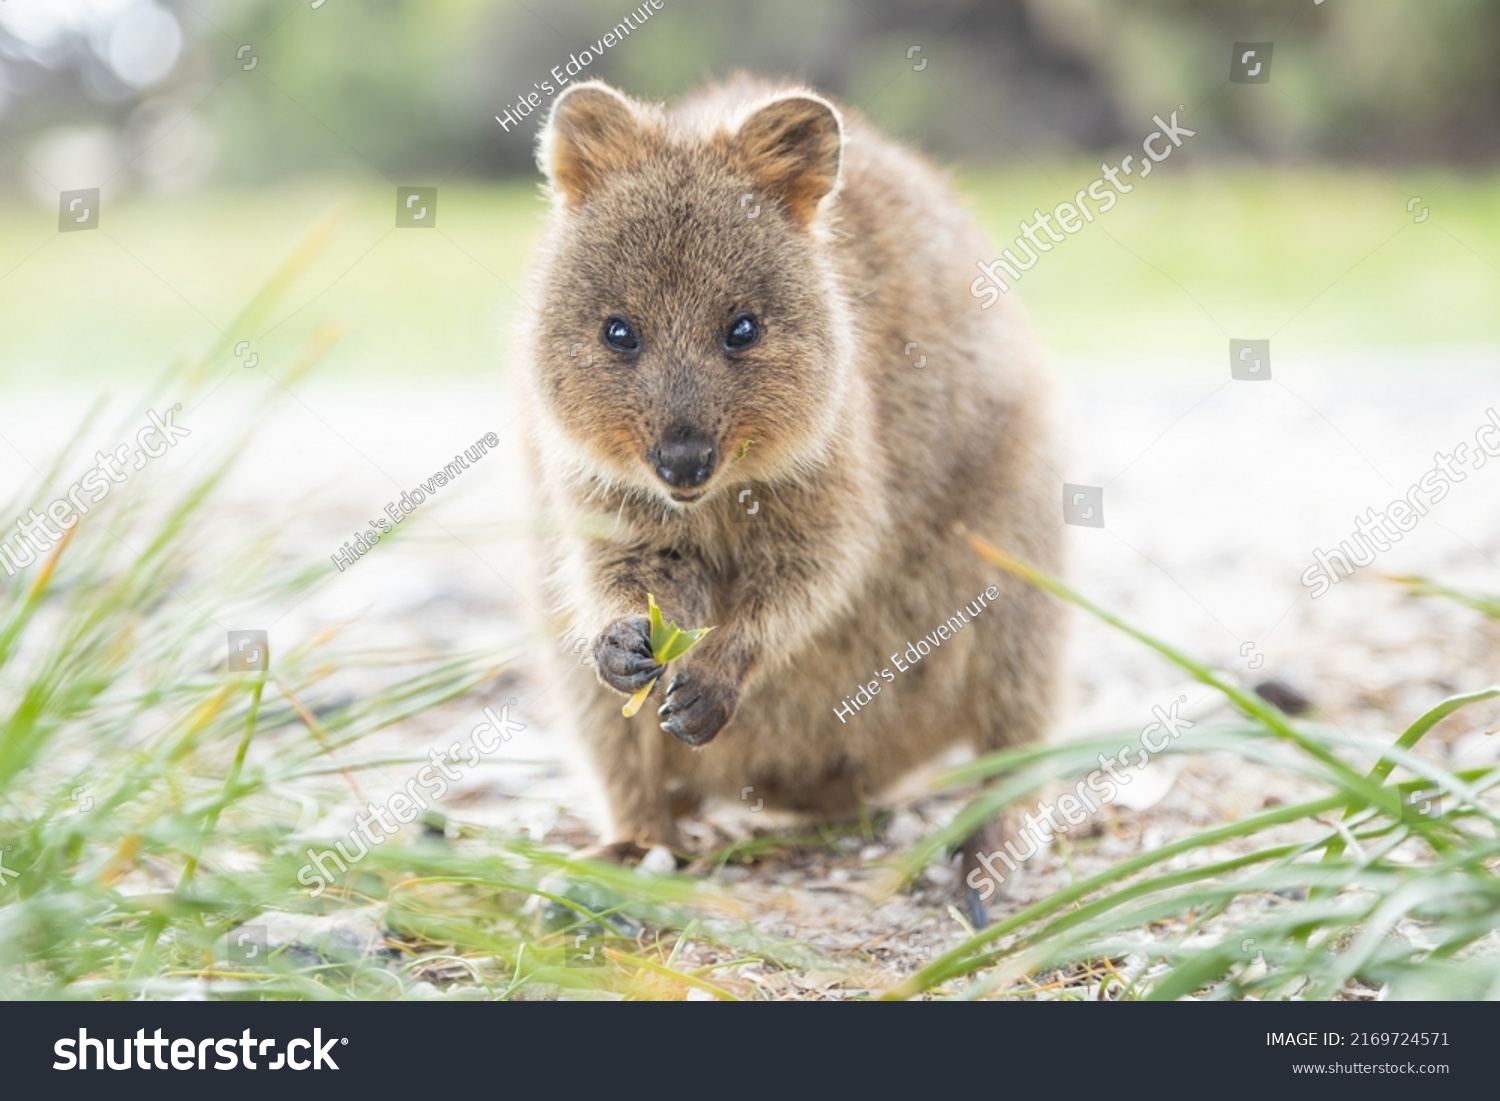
[(905, 829), (940, 875), (658, 861), (1280, 694), (313, 940)]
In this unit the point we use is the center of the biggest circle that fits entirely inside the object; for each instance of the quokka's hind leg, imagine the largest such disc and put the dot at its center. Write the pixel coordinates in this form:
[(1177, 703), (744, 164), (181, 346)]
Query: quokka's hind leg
[(626, 763), (628, 759), (1015, 695), (988, 865)]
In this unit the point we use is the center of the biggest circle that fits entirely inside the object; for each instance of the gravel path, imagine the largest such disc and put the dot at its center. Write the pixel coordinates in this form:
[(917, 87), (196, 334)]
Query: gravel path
[(1216, 494)]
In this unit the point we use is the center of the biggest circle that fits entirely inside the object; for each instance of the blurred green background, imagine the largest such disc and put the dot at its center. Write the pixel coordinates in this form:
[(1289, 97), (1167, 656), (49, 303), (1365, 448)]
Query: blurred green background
[(221, 131)]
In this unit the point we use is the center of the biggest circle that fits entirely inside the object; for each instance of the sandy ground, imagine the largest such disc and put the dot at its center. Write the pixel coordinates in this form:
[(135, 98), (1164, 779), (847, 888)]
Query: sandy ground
[(1215, 495)]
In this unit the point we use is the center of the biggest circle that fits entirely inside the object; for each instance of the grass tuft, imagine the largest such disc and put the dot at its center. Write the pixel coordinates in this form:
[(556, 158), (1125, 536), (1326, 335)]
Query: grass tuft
[(1356, 887)]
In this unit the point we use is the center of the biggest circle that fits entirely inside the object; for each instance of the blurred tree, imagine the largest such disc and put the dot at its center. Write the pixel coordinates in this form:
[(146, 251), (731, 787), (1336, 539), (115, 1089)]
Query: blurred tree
[(410, 88)]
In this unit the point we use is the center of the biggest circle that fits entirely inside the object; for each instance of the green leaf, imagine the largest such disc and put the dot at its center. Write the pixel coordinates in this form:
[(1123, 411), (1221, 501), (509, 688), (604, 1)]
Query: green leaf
[(659, 635), (680, 643), (668, 643)]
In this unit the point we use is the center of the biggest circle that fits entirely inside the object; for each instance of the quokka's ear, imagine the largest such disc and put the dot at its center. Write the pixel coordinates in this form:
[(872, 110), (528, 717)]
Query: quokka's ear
[(793, 147), (594, 132)]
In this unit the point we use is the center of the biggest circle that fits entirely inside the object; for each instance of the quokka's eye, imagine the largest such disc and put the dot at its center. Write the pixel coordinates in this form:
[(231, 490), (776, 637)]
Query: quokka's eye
[(744, 331), (620, 337)]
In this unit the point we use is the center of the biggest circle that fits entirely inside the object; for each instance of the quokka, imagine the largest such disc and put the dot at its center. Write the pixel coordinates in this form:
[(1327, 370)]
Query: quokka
[(759, 387)]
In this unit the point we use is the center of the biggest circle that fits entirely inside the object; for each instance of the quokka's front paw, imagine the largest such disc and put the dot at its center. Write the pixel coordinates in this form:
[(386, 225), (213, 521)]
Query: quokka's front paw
[(623, 656), (699, 704)]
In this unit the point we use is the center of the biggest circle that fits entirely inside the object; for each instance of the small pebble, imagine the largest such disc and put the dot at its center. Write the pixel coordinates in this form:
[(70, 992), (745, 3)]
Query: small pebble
[(940, 875), (905, 829), (1284, 696), (658, 861)]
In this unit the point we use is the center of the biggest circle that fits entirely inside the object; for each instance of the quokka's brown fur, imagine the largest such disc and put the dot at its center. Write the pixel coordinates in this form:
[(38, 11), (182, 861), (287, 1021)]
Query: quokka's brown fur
[(832, 541)]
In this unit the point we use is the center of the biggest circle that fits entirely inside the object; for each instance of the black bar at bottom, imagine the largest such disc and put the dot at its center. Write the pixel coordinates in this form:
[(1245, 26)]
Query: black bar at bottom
[(567, 1047)]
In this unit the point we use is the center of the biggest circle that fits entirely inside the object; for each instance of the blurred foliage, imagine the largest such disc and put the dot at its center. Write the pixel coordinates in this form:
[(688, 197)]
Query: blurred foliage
[(406, 87), (211, 173)]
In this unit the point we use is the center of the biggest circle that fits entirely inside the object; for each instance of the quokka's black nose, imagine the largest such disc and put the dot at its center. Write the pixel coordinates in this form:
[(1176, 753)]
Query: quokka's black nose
[(685, 463)]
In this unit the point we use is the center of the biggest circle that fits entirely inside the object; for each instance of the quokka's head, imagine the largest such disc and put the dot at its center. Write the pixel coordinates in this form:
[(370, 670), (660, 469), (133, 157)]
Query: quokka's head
[(687, 306)]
